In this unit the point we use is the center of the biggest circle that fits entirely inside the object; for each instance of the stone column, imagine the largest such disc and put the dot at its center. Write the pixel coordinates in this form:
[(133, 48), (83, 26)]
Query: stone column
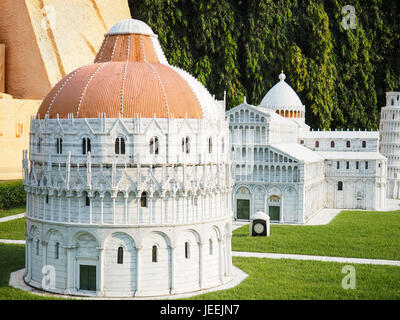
[(59, 208), (173, 259), (44, 207), (150, 205), (100, 289), (203, 205), (138, 271), (69, 208), (101, 209), (70, 270), (173, 208), (79, 209), (28, 265), (44, 256), (162, 209), (52, 208), (113, 209), (126, 209), (138, 209), (183, 207), (201, 265), (221, 261), (90, 210)]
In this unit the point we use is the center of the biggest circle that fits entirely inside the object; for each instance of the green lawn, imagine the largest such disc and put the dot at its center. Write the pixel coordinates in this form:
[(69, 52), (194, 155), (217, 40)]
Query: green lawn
[(268, 279), (13, 229), (358, 234), (12, 258), (350, 234), (283, 279), (10, 212)]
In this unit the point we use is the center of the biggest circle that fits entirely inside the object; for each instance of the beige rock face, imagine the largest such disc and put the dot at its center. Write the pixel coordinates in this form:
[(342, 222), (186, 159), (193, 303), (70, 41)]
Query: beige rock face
[(44, 40), (2, 67), (14, 134), (47, 39)]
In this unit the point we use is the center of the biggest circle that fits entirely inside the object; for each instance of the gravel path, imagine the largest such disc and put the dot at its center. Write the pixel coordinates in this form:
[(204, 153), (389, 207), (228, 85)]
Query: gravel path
[(316, 258)]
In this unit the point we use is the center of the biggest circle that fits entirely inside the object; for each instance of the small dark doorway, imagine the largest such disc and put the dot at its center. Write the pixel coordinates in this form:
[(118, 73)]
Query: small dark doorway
[(87, 277), (243, 209), (274, 213)]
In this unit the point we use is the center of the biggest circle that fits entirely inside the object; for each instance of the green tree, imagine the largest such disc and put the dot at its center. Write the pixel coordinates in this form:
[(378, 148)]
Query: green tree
[(341, 75)]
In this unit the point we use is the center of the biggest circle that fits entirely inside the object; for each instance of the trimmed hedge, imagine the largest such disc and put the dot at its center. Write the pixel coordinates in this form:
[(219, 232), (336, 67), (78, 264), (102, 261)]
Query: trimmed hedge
[(12, 194)]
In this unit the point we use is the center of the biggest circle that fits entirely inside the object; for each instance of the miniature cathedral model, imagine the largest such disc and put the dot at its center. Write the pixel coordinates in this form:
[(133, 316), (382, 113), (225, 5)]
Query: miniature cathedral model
[(289, 172), (128, 178)]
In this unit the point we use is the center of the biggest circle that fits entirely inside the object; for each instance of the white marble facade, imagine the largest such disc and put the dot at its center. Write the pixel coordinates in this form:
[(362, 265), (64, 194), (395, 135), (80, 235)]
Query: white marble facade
[(130, 206), (390, 142), (101, 201), (291, 172)]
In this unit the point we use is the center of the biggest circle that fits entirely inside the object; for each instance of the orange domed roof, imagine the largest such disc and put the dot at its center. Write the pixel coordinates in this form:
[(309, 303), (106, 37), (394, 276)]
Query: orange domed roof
[(129, 77)]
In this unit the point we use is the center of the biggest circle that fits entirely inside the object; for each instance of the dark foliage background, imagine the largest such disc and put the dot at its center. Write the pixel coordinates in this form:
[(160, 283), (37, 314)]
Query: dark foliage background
[(240, 46)]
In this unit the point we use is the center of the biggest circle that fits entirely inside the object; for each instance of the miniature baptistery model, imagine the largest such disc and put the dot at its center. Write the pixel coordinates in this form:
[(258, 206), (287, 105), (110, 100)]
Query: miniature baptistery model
[(128, 177)]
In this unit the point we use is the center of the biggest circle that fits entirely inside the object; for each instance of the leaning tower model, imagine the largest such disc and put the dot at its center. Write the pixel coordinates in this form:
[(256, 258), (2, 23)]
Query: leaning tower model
[(128, 177), (390, 142)]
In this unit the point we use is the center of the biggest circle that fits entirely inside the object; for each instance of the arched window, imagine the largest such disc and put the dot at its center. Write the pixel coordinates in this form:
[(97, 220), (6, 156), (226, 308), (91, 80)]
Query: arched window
[(332, 144), (154, 145), (154, 253), (143, 200), (210, 244), (37, 247), (120, 145), (364, 144), (57, 251), (39, 145), (317, 144), (47, 198), (187, 250), (86, 146), (340, 186), (59, 146), (347, 144), (210, 145), (186, 145), (87, 199), (120, 257)]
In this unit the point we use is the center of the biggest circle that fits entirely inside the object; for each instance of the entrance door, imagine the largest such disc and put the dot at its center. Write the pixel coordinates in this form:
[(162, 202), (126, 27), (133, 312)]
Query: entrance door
[(243, 209), (274, 213), (87, 277)]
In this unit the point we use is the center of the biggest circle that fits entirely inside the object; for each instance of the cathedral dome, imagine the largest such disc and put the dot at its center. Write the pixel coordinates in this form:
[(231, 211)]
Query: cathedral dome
[(281, 96), (130, 26), (130, 77)]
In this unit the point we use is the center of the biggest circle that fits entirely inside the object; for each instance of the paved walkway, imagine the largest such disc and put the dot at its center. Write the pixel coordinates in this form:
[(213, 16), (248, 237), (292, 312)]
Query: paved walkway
[(13, 217), (9, 218), (316, 258)]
